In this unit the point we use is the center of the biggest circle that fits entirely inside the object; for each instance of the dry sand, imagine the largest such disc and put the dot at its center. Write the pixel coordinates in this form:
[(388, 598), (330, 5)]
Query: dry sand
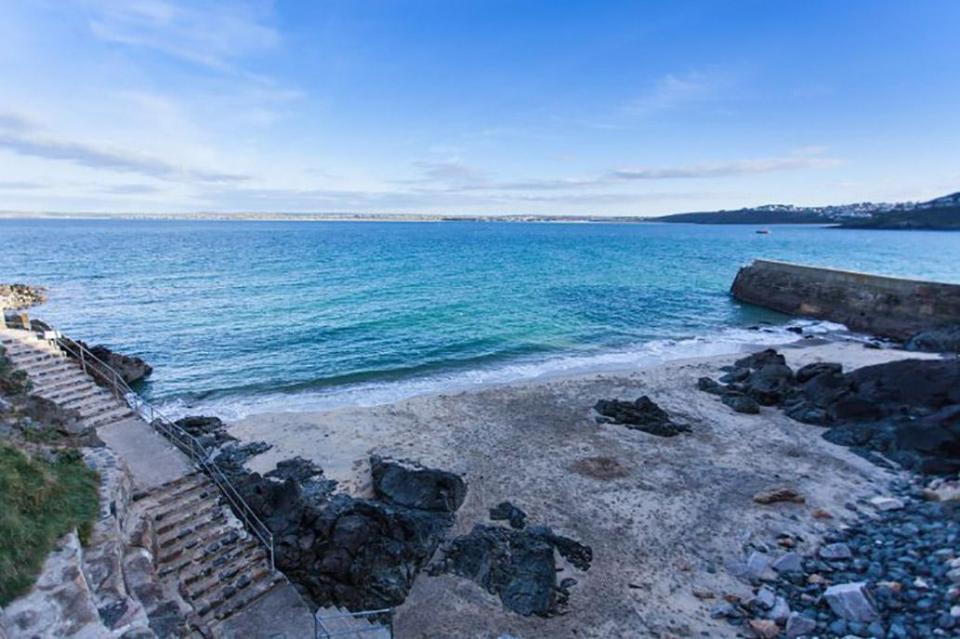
[(664, 516)]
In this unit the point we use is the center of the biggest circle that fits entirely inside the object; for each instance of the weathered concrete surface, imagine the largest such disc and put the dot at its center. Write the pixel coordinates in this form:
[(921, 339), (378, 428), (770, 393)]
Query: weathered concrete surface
[(280, 614), (152, 460), (886, 306)]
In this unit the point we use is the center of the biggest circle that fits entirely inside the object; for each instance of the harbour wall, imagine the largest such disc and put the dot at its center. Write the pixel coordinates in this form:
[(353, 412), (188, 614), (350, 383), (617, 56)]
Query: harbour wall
[(885, 306)]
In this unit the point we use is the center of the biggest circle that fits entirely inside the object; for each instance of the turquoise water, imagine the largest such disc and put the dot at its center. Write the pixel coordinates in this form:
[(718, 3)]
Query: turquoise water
[(247, 316)]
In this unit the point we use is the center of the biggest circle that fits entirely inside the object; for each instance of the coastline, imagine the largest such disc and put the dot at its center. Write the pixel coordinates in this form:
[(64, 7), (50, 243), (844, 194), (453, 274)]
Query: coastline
[(663, 522), (725, 342)]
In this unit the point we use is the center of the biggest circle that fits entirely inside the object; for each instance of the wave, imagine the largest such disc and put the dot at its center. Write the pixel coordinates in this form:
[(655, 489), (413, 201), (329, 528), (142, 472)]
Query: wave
[(724, 342)]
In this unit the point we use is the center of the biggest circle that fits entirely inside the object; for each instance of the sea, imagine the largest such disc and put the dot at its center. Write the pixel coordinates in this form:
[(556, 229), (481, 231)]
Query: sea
[(246, 317)]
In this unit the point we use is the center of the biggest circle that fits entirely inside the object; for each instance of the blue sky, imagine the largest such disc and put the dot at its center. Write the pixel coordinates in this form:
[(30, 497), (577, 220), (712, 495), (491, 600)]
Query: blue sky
[(607, 108)]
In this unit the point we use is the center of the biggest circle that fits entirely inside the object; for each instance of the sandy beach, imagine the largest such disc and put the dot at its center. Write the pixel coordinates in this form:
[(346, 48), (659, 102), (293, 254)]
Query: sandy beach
[(666, 517)]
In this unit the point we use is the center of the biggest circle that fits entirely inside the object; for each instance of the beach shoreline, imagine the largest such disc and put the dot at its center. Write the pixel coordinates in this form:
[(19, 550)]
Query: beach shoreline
[(664, 516)]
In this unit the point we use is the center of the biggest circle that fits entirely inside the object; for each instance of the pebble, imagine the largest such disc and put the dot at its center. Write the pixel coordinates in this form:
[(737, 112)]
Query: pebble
[(834, 552), (886, 503)]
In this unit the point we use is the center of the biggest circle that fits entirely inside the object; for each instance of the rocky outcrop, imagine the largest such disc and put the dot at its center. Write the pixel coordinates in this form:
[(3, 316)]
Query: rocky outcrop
[(642, 414), (21, 296), (519, 566), (131, 368), (908, 410), (359, 554), (936, 340), (885, 306)]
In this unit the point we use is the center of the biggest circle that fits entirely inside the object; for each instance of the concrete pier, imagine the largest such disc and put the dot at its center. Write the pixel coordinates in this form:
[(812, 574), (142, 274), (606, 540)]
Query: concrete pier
[(885, 306)]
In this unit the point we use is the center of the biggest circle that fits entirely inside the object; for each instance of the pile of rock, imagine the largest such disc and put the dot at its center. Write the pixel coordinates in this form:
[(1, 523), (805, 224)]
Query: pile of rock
[(893, 575), (909, 410), (21, 296), (131, 368), (518, 565), (360, 554)]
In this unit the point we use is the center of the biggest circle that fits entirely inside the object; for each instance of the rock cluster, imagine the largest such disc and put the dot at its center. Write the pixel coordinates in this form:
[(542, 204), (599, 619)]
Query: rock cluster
[(519, 566), (909, 410), (131, 369), (642, 414), (893, 575), (21, 296), (360, 554)]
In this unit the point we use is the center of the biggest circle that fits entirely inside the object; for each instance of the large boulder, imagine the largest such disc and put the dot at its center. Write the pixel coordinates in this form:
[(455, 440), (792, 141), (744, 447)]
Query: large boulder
[(406, 483), (518, 566), (936, 340), (131, 368)]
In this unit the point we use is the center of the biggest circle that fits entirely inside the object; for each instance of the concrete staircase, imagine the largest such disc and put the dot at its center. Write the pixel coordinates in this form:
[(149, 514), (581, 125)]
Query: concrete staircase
[(205, 554), (61, 380)]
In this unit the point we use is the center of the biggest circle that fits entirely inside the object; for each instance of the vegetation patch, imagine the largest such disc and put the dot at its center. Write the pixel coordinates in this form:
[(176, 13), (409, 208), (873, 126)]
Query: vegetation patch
[(40, 501)]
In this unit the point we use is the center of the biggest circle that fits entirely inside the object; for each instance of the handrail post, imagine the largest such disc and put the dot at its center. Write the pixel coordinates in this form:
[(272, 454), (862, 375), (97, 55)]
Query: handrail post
[(83, 360)]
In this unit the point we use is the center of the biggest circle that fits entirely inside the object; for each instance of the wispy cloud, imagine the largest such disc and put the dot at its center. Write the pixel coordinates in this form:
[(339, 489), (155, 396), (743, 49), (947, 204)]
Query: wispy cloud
[(18, 135), (676, 90), (211, 34), (794, 162)]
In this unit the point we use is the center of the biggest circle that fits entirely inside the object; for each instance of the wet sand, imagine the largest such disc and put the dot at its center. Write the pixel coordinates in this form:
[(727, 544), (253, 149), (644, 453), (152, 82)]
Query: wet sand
[(664, 516)]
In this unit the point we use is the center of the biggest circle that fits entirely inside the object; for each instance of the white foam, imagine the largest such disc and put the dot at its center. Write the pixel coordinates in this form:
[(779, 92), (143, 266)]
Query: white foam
[(728, 341)]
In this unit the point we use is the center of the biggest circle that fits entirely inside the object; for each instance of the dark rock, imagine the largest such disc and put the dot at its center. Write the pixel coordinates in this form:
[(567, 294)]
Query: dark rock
[(518, 566), (131, 369), (508, 512), (936, 340), (210, 431), (761, 359), (808, 372), (406, 483), (642, 414), (741, 403), (708, 385)]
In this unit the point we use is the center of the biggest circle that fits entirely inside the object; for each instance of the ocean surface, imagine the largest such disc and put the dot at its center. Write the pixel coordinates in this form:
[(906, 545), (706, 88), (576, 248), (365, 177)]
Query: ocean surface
[(246, 317)]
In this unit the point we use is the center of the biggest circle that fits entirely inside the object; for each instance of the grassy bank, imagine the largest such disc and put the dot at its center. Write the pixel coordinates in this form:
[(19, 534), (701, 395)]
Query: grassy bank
[(40, 501)]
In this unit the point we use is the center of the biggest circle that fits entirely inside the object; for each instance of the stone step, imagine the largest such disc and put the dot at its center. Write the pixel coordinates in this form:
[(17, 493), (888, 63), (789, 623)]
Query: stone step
[(96, 405), (162, 505), (30, 356), (199, 529), (237, 595), (214, 555), (189, 564), (201, 510), (183, 546), (79, 394), (243, 562), (66, 379), (176, 485), (45, 369), (102, 419)]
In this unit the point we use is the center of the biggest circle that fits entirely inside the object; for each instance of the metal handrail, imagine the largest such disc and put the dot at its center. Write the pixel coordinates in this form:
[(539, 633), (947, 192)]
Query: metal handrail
[(169, 429)]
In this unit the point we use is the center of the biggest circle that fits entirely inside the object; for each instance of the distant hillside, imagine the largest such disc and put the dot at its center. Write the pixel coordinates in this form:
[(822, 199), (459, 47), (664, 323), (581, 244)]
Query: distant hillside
[(750, 216), (937, 218), (940, 213)]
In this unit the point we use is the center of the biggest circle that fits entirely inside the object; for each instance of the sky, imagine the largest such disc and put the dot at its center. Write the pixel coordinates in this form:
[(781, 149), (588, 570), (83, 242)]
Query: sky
[(475, 106)]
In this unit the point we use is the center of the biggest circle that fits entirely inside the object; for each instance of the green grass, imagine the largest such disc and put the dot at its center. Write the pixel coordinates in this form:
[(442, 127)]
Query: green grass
[(39, 502)]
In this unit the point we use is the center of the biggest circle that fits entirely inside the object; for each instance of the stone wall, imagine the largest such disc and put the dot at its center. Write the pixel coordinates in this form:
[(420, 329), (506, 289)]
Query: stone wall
[(885, 306), (108, 588)]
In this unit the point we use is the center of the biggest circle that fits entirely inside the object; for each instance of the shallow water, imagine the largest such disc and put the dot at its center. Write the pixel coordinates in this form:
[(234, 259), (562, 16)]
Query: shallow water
[(254, 316)]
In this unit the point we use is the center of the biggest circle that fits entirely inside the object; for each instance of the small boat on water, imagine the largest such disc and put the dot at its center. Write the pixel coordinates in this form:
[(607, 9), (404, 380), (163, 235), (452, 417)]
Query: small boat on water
[(763, 231)]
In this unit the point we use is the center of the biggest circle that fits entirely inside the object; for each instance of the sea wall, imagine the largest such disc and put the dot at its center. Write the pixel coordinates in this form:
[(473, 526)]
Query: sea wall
[(885, 306)]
